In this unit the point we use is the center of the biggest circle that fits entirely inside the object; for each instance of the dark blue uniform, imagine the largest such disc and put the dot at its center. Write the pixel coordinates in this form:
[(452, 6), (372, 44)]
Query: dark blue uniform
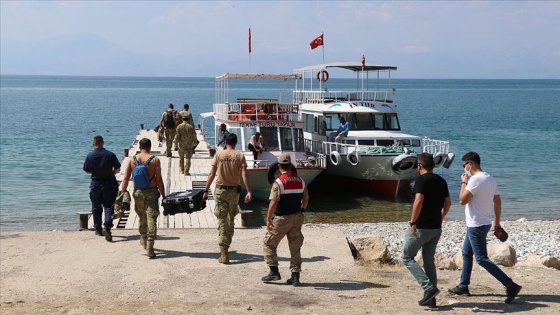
[(101, 164)]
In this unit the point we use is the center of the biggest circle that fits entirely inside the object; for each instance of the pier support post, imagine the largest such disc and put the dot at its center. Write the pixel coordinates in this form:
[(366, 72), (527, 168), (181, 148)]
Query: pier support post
[(245, 216), (84, 218), (126, 150), (142, 126)]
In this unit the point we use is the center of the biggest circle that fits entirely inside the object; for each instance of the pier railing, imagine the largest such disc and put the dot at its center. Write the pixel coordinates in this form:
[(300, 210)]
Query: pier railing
[(319, 97)]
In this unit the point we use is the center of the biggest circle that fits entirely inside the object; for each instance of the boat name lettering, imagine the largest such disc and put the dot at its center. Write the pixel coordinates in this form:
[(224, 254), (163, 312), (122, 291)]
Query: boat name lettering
[(268, 124)]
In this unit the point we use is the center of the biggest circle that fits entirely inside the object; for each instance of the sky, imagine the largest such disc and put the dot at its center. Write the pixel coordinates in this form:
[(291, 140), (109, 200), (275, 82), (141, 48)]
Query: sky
[(424, 39)]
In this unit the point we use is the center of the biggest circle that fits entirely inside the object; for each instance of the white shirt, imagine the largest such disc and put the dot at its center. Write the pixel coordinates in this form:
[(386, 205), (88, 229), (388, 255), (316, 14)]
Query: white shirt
[(480, 210)]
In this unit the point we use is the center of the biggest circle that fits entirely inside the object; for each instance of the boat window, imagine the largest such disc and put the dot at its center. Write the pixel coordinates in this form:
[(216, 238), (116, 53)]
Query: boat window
[(286, 136), (332, 122), (298, 133), (366, 142), (322, 126), (270, 137), (379, 121), (385, 143), (411, 142), (248, 132), (309, 123), (392, 122), (362, 122)]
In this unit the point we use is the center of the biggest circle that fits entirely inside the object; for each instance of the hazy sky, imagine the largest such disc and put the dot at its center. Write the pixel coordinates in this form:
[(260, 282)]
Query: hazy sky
[(424, 39)]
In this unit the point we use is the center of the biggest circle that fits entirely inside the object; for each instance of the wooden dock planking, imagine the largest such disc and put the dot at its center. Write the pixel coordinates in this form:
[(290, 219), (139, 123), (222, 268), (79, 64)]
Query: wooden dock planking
[(174, 181)]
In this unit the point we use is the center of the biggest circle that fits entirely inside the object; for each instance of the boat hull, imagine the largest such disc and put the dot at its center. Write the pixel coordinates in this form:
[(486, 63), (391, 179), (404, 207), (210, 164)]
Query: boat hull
[(260, 188), (372, 173)]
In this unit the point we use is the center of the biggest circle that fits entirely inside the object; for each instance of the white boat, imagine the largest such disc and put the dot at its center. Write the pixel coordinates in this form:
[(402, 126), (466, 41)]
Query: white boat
[(277, 119), (375, 155)]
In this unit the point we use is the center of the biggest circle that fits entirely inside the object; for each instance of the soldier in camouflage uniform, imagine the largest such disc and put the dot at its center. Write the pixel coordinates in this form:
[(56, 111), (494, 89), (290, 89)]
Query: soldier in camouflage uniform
[(169, 128), (185, 140), (229, 165), (146, 202), (186, 114)]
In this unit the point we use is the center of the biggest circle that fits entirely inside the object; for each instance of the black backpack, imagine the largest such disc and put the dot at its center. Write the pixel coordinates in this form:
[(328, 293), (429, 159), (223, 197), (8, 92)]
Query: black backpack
[(169, 121)]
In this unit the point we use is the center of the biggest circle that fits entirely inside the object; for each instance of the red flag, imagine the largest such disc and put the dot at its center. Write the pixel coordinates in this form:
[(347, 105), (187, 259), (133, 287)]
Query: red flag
[(317, 42), (363, 61), (249, 40)]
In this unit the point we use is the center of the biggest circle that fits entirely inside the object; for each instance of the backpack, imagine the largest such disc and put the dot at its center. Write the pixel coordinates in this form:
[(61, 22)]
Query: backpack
[(169, 121), (140, 174)]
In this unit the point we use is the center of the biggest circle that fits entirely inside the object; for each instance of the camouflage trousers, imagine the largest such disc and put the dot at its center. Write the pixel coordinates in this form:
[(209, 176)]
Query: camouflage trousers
[(290, 226), (146, 206), (225, 211), (185, 154), (169, 136)]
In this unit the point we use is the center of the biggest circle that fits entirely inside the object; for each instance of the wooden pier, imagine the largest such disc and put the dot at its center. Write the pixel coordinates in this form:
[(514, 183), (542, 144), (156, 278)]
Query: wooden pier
[(175, 181)]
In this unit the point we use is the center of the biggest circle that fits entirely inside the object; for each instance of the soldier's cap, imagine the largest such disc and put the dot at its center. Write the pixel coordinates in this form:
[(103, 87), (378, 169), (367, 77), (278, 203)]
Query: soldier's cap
[(284, 158)]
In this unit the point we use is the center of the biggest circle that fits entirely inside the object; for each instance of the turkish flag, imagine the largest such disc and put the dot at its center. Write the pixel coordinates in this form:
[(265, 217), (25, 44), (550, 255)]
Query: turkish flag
[(317, 42)]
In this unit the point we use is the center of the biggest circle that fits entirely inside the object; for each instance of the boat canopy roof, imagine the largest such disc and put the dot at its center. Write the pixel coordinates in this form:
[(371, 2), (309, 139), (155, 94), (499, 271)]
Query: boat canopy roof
[(258, 76), (342, 107), (349, 65)]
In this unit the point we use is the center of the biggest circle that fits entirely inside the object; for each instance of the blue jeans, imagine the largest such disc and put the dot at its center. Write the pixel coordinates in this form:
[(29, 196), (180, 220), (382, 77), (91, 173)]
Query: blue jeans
[(475, 243), (425, 239)]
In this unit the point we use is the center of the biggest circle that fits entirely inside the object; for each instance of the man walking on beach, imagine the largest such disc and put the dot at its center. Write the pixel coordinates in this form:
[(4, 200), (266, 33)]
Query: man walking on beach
[(229, 165), (102, 165), (168, 121), (478, 194), (430, 206), (146, 200), (288, 201), (185, 141)]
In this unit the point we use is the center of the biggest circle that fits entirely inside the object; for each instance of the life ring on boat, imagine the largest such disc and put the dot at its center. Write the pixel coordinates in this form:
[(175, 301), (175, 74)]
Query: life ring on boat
[(439, 159), (272, 172), (404, 164), (353, 158), (335, 158), (322, 76), (449, 160)]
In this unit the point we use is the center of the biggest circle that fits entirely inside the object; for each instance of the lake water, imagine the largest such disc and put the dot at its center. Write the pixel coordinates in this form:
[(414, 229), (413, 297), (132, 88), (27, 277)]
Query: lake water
[(47, 123)]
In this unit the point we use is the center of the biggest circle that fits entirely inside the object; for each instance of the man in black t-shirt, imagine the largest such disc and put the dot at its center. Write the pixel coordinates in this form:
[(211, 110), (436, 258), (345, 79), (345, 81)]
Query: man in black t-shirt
[(430, 206)]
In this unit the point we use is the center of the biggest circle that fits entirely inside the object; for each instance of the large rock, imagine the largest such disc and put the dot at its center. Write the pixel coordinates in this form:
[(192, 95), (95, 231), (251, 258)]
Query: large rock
[(441, 261), (502, 254), (372, 248), (540, 261)]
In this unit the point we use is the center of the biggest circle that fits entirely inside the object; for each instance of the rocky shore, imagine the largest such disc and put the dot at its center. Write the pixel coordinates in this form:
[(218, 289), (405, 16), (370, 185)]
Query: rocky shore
[(525, 236)]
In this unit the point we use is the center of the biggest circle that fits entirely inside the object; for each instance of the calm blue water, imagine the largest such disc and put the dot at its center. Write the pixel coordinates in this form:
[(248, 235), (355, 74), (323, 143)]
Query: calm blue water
[(47, 124)]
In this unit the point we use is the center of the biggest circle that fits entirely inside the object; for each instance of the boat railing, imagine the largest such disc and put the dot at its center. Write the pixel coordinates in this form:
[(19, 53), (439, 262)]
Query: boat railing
[(326, 147), (313, 160), (319, 97), (435, 146), (256, 109)]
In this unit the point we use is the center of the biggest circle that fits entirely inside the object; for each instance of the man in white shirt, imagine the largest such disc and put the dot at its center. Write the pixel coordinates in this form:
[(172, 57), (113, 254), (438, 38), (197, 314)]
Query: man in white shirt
[(478, 194)]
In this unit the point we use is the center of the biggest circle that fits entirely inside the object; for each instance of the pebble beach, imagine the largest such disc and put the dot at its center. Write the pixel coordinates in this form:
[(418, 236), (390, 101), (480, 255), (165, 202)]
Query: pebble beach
[(526, 237)]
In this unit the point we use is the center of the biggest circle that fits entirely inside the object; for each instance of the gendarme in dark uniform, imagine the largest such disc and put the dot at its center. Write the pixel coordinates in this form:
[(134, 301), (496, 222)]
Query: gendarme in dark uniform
[(102, 165), (288, 200)]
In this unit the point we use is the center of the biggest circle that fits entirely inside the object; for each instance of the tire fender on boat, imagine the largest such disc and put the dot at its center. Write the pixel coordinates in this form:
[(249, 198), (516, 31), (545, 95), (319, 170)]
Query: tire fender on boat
[(272, 172), (323, 76), (404, 164), (439, 159), (335, 158), (353, 158), (449, 160)]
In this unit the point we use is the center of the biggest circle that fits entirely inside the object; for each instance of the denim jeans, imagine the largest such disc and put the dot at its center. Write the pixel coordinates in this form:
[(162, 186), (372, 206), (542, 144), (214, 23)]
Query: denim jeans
[(475, 243), (425, 239), (102, 196)]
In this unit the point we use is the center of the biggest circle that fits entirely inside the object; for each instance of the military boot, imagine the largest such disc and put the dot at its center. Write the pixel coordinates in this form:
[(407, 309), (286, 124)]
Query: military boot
[(273, 275), (224, 255), (143, 241), (150, 249), (294, 280)]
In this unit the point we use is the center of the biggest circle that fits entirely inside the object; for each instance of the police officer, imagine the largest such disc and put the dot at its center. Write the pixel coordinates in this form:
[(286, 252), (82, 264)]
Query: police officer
[(102, 165), (228, 164), (288, 201), (185, 140)]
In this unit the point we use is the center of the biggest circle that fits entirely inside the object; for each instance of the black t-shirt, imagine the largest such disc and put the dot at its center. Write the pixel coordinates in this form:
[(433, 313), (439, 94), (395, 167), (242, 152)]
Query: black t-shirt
[(434, 188)]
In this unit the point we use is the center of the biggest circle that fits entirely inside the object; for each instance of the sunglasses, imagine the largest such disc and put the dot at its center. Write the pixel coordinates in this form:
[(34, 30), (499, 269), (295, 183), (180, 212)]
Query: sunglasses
[(466, 163)]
